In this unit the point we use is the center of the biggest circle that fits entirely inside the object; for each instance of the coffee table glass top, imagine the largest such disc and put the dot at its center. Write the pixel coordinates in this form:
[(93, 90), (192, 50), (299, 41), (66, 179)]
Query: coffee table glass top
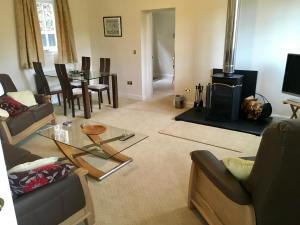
[(72, 135)]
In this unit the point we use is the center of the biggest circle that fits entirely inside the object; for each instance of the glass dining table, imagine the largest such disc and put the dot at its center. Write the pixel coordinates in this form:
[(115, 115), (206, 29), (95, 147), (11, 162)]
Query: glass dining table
[(85, 78)]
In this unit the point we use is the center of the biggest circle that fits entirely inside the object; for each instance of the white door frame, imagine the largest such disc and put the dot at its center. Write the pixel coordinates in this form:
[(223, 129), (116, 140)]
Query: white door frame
[(146, 42)]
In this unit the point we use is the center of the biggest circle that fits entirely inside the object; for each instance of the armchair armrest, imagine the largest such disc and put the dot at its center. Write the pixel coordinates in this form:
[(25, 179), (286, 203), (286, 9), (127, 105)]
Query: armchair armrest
[(41, 99), (217, 173)]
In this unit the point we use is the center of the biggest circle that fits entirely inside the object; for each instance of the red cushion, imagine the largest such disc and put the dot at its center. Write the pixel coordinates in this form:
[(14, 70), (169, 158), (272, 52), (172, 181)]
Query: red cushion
[(12, 106), (23, 182)]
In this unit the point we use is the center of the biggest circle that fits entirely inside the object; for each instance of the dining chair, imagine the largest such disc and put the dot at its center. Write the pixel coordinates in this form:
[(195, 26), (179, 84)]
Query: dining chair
[(69, 93), (85, 63), (46, 89), (99, 88), (104, 80)]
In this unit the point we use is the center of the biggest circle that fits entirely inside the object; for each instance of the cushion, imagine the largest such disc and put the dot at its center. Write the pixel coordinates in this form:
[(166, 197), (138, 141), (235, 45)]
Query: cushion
[(27, 181), (12, 106), (14, 155), (239, 168), (25, 97), (41, 111), (32, 165), (3, 113), (20, 122)]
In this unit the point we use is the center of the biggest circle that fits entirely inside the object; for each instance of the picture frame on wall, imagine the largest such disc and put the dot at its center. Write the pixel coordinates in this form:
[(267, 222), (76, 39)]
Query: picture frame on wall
[(112, 26)]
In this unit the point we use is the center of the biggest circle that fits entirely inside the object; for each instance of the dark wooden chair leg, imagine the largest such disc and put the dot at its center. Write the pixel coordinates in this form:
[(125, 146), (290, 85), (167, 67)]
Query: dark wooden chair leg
[(99, 99), (65, 106), (73, 107), (108, 96), (91, 102), (78, 102), (58, 98)]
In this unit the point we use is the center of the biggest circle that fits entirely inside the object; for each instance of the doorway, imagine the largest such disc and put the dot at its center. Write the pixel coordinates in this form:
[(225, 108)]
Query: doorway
[(158, 53)]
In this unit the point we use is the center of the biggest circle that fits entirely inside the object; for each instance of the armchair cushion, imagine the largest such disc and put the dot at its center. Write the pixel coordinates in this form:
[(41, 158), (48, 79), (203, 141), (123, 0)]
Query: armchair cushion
[(217, 173), (27, 181), (239, 168), (12, 106), (15, 156), (24, 97)]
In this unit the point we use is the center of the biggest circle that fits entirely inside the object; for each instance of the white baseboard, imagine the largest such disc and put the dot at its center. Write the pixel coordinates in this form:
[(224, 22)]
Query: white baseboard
[(164, 75), (130, 96)]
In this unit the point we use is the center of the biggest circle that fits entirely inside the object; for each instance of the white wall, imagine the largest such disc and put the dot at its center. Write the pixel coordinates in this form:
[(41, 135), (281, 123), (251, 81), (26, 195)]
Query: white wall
[(197, 48), (163, 42), (9, 58), (268, 30)]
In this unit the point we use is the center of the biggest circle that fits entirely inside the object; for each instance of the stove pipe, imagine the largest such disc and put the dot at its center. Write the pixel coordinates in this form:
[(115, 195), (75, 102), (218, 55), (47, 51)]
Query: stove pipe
[(231, 36)]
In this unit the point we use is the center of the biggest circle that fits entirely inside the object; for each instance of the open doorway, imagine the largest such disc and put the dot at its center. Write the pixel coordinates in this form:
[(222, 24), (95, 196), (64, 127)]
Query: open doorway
[(158, 57)]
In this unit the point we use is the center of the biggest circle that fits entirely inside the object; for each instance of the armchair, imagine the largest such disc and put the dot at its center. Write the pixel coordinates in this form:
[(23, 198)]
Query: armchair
[(65, 202), (269, 196), (14, 129)]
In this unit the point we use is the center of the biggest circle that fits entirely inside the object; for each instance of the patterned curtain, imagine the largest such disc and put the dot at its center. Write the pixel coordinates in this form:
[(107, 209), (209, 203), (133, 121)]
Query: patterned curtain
[(64, 31), (28, 32)]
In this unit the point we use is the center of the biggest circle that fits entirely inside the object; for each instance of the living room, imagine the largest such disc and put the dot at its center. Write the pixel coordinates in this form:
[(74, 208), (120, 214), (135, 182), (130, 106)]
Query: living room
[(153, 188)]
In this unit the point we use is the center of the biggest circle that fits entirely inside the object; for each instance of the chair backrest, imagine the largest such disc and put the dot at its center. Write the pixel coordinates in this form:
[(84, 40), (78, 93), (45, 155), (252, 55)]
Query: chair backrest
[(45, 89), (274, 182), (64, 81), (85, 63), (104, 68), (7, 83)]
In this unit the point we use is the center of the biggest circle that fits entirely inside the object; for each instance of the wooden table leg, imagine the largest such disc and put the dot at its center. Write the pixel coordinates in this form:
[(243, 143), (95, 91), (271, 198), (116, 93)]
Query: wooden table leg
[(294, 110), (86, 99), (115, 96), (115, 155), (78, 161)]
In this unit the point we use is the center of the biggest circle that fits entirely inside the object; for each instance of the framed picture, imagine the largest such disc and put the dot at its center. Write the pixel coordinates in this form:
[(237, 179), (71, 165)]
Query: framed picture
[(112, 26)]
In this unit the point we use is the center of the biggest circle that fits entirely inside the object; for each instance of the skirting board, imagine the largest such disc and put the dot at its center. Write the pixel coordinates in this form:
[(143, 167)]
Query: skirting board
[(130, 96)]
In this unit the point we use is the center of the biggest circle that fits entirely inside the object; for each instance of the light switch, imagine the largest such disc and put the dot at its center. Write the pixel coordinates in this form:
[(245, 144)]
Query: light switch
[(134, 52)]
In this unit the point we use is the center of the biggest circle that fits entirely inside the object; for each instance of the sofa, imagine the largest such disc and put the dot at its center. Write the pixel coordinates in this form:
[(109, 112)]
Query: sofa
[(269, 196), (14, 129), (67, 201)]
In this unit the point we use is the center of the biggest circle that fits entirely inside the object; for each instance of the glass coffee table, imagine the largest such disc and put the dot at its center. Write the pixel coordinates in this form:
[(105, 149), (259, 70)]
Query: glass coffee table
[(79, 139)]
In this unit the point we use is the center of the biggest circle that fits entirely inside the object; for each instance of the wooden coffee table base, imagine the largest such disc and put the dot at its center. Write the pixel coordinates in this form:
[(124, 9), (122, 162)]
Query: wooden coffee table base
[(78, 161)]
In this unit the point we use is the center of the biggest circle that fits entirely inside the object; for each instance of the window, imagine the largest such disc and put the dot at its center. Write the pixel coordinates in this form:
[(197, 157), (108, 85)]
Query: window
[(47, 24)]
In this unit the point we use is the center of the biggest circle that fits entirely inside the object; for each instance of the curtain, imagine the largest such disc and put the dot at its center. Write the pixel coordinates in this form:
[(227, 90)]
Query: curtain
[(29, 33), (64, 32)]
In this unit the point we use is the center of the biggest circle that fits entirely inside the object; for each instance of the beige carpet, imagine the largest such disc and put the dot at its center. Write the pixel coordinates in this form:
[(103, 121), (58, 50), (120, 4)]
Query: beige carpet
[(227, 139), (152, 190)]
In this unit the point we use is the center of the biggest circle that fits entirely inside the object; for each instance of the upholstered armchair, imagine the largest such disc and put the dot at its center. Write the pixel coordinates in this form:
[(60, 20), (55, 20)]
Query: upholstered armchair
[(269, 196), (15, 129)]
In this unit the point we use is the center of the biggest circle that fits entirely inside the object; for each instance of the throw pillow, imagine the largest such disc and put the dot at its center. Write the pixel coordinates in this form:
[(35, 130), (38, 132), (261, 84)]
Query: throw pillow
[(3, 113), (25, 97), (239, 168), (32, 165), (24, 182), (12, 106)]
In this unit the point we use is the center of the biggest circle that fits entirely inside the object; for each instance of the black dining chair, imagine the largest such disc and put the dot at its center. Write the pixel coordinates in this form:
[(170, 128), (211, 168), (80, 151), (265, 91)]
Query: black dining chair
[(104, 79), (45, 88), (99, 88), (85, 63), (69, 92)]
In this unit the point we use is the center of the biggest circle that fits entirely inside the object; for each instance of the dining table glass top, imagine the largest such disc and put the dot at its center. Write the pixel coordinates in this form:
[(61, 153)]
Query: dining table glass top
[(80, 75)]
